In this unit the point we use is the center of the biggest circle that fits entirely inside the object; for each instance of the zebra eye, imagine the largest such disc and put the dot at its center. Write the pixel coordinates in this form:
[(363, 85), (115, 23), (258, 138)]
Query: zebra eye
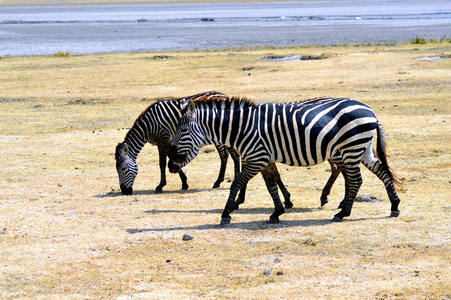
[(123, 169)]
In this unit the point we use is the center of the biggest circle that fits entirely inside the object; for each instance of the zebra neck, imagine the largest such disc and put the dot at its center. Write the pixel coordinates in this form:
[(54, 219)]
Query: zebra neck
[(135, 142), (223, 125)]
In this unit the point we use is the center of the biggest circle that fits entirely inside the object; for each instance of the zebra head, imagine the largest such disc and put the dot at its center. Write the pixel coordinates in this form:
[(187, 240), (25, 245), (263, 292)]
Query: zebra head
[(126, 167), (189, 136)]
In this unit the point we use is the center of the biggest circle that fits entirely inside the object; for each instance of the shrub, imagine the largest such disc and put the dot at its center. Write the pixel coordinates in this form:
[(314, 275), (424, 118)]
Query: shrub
[(419, 40), (62, 54)]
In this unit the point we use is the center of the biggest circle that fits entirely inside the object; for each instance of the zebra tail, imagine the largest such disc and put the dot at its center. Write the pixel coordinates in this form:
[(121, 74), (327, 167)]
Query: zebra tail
[(381, 153)]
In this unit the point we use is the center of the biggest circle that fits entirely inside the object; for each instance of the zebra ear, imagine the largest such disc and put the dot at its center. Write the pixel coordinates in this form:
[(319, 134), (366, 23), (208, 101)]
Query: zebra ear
[(191, 108), (124, 151), (183, 105)]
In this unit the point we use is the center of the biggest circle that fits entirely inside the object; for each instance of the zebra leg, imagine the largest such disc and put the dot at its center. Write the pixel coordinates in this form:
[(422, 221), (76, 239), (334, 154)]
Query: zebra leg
[(340, 206), (223, 155), (237, 184), (240, 181), (286, 194), (336, 167), (184, 179), (271, 184), (241, 197), (236, 160), (353, 181), (162, 150), (176, 168), (383, 173), (237, 163)]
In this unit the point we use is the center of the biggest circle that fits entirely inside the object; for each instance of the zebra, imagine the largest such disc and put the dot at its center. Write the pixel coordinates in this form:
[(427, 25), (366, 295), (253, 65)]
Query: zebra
[(156, 125), (338, 130)]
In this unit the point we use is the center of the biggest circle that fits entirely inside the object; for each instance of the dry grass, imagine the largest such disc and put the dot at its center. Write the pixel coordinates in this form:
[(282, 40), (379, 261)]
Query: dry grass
[(66, 232)]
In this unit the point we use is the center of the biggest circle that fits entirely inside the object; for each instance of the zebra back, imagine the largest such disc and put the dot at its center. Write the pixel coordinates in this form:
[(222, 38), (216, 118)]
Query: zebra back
[(160, 119)]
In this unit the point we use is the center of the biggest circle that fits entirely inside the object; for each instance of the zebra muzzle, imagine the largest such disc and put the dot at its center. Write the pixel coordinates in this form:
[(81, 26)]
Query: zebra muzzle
[(175, 156), (126, 190), (173, 166)]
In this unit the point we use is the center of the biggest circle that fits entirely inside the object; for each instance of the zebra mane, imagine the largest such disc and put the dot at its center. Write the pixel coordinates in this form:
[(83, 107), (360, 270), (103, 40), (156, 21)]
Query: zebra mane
[(205, 96), (225, 103), (312, 100)]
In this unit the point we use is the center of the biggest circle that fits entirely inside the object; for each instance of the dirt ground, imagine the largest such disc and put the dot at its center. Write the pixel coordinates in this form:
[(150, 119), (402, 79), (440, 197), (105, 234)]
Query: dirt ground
[(67, 232)]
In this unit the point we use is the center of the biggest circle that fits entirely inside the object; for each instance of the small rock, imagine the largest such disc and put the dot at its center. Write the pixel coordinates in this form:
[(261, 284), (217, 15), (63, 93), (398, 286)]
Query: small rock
[(279, 273), (277, 260), (168, 260), (267, 272), (187, 237), (367, 198), (209, 150)]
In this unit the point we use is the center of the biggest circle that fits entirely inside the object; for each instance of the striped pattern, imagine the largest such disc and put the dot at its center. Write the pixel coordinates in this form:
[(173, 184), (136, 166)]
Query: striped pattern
[(338, 130), (156, 125)]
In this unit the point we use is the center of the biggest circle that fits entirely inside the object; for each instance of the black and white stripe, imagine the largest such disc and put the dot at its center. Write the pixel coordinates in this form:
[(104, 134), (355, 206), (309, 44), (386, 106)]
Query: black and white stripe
[(306, 133), (156, 125)]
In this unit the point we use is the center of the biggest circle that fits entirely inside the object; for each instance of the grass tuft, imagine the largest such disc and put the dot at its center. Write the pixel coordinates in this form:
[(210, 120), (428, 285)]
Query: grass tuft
[(62, 54), (422, 41)]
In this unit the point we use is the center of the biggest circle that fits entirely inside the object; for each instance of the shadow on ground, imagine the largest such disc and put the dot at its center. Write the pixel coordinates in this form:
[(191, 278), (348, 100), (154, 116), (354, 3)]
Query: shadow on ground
[(252, 211), (254, 225), (152, 192)]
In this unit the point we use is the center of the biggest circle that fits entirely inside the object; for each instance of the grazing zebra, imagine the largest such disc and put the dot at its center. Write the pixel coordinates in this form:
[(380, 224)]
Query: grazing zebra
[(156, 125), (338, 130)]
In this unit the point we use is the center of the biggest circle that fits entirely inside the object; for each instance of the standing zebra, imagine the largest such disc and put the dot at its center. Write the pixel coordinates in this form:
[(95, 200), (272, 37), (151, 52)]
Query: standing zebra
[(156, 125), (305, 133)]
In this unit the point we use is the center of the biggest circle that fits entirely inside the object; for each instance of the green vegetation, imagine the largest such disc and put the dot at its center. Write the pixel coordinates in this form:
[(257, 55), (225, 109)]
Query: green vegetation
[(423, 41), (62, 54)]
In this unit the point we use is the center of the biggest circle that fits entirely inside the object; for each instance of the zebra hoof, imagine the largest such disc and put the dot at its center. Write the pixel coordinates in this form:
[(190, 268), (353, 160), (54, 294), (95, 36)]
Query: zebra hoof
[(215, 186), (324, 202), (337, 219), (158, 190), (225, 221), (288, 204), (273, 220), (394, 214), (185, 187)]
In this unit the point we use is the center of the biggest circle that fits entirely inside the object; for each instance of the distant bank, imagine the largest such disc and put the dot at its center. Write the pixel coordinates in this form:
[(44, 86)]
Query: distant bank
[(42, 30)]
